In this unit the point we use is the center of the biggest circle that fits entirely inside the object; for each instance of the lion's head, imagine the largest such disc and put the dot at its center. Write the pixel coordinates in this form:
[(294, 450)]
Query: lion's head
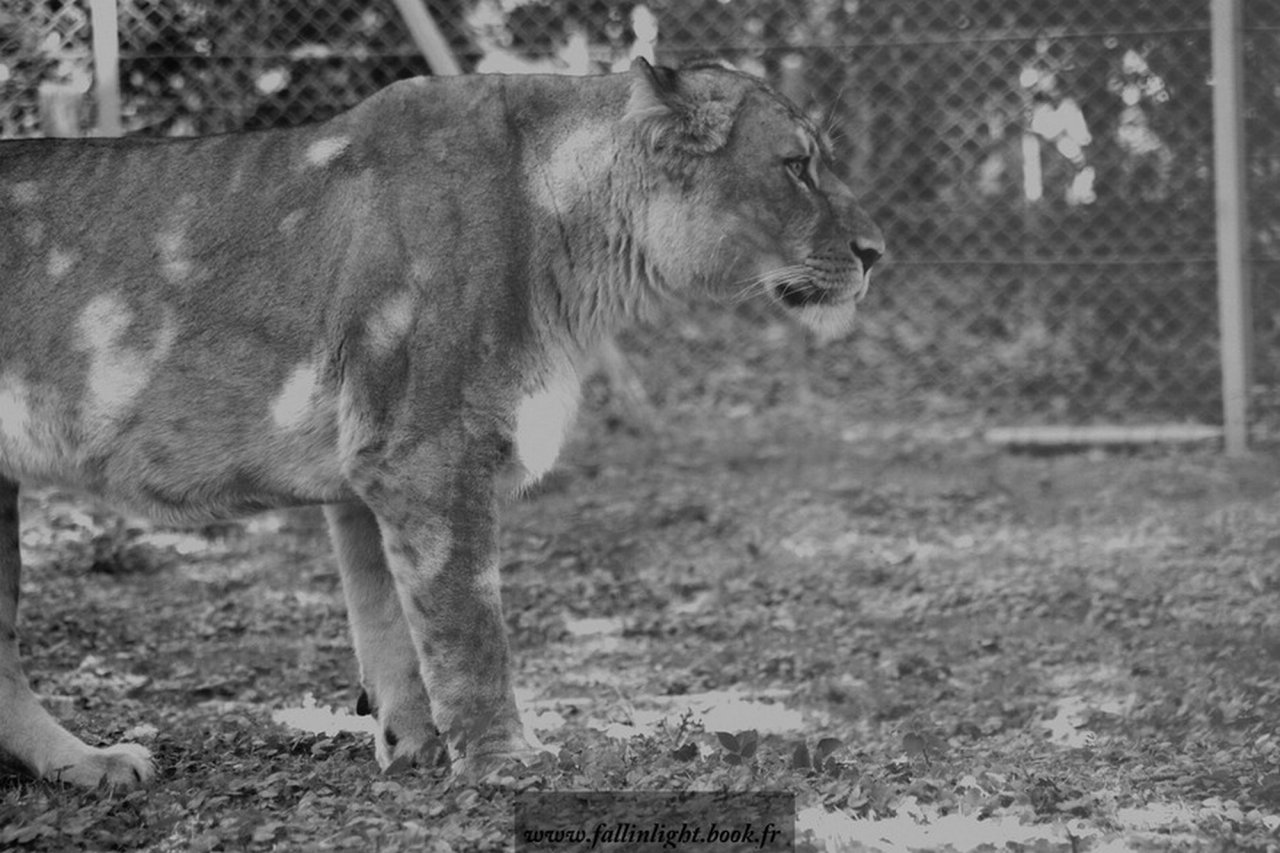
[(748, 201)]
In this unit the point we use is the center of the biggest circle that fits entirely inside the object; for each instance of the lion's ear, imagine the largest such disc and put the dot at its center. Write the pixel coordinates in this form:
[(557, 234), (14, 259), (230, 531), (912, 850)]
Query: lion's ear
[(651, 90), (673, 120)]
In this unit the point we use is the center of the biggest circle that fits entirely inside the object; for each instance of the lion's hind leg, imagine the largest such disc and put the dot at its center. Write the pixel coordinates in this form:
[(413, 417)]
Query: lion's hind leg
[(30, 739)]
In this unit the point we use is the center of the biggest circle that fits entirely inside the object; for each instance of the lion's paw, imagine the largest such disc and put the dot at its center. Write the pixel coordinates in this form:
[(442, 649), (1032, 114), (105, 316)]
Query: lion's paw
[(122, 765), (494, 760), (415, 745)]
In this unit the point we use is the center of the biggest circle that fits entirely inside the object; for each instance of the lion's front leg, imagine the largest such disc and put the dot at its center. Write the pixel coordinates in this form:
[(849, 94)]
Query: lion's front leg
[(447, 580), (390, 673), (439, 534)]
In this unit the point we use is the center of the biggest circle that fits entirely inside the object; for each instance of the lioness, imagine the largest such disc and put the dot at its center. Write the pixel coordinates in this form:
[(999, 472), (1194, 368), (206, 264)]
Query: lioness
[(384, 313)]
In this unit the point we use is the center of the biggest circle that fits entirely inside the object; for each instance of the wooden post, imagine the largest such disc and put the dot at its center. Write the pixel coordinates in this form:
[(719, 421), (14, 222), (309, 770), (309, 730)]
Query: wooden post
[(105, 21), (427, 36), (1230, 180)]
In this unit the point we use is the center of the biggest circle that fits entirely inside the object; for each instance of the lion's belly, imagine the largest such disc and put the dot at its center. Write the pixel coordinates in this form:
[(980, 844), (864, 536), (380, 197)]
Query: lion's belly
[(177, 456)]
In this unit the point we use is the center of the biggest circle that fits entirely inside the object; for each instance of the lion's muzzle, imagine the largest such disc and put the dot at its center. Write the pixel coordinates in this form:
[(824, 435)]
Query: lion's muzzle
[(827, 279)]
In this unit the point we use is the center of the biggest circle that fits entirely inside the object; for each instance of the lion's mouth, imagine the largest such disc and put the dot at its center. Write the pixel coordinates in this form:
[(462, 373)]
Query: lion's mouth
[(801, 294), (822, 297)]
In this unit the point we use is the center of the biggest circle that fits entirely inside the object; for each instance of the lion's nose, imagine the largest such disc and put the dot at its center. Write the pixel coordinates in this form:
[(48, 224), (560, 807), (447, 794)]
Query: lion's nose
[(868, 248)]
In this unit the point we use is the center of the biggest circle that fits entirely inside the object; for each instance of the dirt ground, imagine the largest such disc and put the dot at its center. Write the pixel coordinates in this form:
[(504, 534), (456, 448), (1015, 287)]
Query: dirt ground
[(937, 645)]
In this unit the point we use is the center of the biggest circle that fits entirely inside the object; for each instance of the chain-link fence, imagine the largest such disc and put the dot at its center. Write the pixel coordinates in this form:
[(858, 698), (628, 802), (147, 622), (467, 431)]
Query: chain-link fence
[(1043, 171)]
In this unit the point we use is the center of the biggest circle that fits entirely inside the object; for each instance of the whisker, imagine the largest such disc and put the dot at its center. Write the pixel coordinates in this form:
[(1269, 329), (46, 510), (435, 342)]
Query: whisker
[(763, 283), (830, 126), (749, 289)]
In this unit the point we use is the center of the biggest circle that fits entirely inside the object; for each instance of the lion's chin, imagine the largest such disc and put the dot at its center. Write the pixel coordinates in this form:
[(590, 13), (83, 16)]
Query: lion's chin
[(828, 320)]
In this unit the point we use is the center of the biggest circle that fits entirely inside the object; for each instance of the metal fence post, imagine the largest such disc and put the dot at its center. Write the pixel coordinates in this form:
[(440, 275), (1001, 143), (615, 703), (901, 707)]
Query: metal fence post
[(422, 28), (105, 22), (1234, 309)]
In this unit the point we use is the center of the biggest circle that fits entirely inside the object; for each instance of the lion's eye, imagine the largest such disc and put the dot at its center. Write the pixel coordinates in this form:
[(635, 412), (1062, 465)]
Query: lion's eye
[(798, 167)]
